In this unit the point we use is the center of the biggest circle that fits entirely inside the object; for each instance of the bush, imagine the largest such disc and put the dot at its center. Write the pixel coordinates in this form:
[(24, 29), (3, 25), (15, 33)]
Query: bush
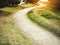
[(4, 3), (13, 2)]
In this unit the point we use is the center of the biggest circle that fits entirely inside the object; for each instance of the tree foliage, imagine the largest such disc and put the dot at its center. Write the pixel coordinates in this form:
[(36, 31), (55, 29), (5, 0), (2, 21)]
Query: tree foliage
[(4, 3), (55, 4)]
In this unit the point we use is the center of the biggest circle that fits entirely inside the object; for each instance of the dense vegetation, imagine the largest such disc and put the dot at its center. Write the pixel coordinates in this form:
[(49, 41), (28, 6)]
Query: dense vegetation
[(4, 3)]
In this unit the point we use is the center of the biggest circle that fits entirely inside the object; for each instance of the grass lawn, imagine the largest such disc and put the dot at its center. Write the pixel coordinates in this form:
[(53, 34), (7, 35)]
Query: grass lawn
[(10, 34), (46, 17), (29, 5)]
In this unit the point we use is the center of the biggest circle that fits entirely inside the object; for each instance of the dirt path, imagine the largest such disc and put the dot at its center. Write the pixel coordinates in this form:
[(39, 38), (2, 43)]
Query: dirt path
[(39, 35)]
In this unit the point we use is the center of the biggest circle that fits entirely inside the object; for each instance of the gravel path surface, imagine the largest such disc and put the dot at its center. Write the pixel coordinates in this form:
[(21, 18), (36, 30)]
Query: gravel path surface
[(39, 35)]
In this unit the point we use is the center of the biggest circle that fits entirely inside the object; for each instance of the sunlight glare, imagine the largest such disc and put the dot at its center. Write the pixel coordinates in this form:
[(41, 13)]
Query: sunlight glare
[(41, 4), (44, 0)]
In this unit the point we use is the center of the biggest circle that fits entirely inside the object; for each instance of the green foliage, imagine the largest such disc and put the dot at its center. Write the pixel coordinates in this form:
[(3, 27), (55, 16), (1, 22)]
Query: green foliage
[(16, 1), (50, 16), (4, 3)]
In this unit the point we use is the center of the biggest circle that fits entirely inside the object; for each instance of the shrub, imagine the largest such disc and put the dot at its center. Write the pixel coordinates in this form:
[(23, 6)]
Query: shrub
[(4, 3)]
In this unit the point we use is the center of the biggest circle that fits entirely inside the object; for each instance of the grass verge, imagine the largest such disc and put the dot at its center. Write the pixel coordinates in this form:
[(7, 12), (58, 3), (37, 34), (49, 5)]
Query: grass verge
[(47, 18), (10, 34), (29, 5)]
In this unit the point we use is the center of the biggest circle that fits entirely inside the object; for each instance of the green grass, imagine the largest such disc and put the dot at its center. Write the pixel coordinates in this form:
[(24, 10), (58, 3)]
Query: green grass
[(47, 18), (10, 34), (28, 5)]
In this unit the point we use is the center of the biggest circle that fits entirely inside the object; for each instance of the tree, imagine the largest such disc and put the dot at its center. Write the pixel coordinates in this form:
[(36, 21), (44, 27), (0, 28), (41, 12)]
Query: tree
[(4, 3), (55, 4), (13, 2)]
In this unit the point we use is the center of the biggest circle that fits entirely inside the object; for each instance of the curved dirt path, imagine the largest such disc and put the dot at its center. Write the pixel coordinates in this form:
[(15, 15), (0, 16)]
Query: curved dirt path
[(39, 35)]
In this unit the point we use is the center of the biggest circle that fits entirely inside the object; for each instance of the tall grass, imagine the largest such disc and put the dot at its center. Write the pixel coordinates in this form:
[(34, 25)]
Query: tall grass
[(10, 34), (47, 19)]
